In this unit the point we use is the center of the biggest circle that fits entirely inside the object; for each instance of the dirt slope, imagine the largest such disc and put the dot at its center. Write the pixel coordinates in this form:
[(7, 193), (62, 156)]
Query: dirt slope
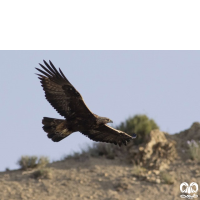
[(102, 179), (94, 179)]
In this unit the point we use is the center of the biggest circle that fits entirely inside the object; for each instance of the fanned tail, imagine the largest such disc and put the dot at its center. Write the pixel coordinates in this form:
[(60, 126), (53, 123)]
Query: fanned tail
[(56, 128)]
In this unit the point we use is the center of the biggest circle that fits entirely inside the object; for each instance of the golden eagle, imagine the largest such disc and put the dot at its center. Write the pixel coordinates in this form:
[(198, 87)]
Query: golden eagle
[(68, 102)]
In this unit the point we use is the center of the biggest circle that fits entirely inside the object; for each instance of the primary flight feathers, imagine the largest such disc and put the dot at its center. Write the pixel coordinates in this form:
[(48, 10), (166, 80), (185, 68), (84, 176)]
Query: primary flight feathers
[(68, 102)]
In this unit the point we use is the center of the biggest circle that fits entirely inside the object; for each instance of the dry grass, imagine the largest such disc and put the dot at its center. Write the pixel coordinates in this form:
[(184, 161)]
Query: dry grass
[(30, 162), (26, 162), (137, 170), (102, 149), (43, 161), (166, 177), (106, 150), (194, 150), (43, 173)]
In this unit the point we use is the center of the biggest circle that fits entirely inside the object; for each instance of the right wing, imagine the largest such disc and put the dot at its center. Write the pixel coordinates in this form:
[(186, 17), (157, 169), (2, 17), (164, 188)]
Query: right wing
[(108, 134)]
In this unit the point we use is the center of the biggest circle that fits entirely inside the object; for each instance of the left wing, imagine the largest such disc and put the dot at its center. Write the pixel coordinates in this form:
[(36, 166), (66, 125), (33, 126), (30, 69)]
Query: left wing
[(62, 95), (108, 134)]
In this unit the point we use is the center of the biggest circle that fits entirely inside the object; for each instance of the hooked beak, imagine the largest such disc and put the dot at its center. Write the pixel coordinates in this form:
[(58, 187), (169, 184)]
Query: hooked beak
[(110, 121)]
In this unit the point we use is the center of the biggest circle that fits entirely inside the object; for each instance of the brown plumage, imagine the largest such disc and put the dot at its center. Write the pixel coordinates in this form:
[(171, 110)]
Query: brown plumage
[(68, 102)]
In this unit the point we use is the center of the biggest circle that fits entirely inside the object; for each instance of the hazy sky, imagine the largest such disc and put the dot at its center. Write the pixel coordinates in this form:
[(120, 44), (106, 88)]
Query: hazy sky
[(116, 84)]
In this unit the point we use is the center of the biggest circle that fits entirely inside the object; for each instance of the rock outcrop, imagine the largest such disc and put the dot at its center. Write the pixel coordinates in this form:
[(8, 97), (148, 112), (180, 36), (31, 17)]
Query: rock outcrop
[(157, 152)]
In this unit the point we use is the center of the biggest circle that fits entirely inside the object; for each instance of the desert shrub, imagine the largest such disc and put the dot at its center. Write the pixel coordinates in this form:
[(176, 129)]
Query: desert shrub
[(140, 125), (77, 156), (26, 162), (95, 150), (102, 149), (29, 162), (43, 161), (42, 173), (7, 169), (166, 177), (194, 150), (138, 170)]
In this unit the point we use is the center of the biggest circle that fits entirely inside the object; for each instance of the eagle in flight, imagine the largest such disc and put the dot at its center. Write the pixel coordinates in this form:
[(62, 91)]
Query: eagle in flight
[(68, 102)]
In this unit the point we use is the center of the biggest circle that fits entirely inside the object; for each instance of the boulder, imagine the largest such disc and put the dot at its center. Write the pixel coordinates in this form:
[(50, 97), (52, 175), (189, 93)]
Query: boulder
[(155, 153)]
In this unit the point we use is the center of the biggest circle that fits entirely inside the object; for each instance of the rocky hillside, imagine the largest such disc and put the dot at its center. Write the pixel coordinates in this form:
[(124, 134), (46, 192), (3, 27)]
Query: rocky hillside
[(152, 170)]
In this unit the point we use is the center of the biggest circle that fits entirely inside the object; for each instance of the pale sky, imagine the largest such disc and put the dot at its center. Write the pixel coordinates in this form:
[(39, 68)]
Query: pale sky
[(164, 85)]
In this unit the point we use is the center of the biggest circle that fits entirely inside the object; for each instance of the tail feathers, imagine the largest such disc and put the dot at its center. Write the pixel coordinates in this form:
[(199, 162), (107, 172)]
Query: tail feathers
[(56, 128)]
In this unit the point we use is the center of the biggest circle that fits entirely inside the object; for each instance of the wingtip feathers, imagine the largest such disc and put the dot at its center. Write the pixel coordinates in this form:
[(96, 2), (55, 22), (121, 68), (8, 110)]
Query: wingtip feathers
[(134, 136)]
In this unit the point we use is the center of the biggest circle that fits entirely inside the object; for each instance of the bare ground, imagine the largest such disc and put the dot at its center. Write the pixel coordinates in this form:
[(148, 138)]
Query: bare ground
[(94, 178)]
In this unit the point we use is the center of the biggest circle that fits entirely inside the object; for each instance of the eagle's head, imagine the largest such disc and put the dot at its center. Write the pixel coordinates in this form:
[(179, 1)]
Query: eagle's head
[(103, 120), (108, 120)]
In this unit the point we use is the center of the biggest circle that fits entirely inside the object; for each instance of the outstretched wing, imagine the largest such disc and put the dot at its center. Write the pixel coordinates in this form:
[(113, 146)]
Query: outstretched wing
[(61, 94), (108, 134)]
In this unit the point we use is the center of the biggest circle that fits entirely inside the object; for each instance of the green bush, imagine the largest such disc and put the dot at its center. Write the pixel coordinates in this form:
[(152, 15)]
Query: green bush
[(29, 162), (140, 125)]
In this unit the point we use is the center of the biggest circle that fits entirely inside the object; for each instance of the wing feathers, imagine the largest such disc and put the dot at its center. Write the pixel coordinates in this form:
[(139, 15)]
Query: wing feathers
[(55, 70), (48, 70), (62, 74), (52, 65), (43, 72), (52, 68), (108, 134), (61, 94)]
